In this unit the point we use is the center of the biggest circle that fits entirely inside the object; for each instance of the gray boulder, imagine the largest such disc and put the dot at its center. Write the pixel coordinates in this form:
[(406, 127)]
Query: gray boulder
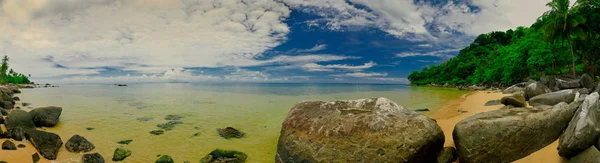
[(550, 82), (553, 98), (46, 143), (535, 89), (515, 88), (79, 144), (568, 83), (509, 135), (514, 100), (92, 158), (586, 81), (447, 155), (46, 116), (583, 130), (492, 103), (387, 132), (590, 155), (18, 122)]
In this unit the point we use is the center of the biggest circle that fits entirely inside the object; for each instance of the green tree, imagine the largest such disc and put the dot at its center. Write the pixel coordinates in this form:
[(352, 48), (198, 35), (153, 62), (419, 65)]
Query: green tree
[(562, 22), (3, 69)]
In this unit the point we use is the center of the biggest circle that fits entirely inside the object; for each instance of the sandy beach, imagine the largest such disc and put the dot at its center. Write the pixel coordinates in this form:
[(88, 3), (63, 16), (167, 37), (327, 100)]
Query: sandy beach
[(473, 103)]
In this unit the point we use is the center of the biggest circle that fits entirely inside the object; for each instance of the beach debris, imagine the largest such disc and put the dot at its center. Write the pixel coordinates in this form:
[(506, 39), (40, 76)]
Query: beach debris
[(157, 132), (79, 144), (484, 137), (92, 158), (35, 157), (173, 117), (125, 142), (120, 154), (169, 125), (8, 145), (164, 159), (422, 110), (448, 155), (46, 116), (46, 143), (144, 119), (219, 155), (492, 103), (230, 132)]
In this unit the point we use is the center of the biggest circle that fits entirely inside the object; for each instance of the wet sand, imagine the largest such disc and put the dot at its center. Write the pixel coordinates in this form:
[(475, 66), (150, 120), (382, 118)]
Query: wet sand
[(473, 103)]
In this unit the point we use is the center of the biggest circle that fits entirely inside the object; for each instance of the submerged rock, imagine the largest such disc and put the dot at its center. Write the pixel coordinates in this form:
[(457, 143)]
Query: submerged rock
[(508, 135), (157, 132), (447, 155), (164, 159), (79, 144), (46, 116), (8, 145), (553, 98), (514, 100), (422, 110), (46, 143), (171, 117), (92, 158), (125, 142), (535, 89), (387, 132), (219, 155), (230, 132), (120, 154), (143, 119), (582, 131), (35, 157), (169, 125)]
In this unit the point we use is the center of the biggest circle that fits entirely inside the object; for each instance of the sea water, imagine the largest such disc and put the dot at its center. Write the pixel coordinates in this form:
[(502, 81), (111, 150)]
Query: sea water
[(256, 109)]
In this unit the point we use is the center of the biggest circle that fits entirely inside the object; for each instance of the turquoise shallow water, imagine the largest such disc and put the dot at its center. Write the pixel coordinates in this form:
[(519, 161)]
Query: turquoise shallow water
[(256, 109)]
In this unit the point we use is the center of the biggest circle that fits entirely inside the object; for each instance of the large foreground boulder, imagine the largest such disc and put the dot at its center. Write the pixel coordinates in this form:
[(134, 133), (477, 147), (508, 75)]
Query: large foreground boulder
[(18, 122), (46, 116), (535, 89), (553, 98), (366, 130), (583, 130), (46, 143), (510, 134), (514, 100)]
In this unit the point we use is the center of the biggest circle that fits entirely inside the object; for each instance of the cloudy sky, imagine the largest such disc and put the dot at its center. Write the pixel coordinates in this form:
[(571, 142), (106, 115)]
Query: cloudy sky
[(348, 41)]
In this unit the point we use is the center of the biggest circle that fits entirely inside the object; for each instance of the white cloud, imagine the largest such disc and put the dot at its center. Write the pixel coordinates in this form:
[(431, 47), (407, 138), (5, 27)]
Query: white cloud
[(360, 74), (391, 80), (313, 67), (439, 53), (173, 75), (242, 75)]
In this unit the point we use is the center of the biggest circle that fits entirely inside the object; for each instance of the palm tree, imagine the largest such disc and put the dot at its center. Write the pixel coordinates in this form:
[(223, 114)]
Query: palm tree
[(562, 22)]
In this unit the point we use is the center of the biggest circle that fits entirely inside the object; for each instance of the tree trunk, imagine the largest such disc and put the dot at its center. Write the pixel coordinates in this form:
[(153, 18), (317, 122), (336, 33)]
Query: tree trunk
[(572, 54)]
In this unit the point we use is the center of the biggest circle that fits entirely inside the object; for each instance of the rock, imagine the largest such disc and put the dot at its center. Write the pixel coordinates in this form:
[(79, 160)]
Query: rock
[(157, 132), (387, 132), (21, 146), (422, 110), (164, 159), (25, 104), (492, 103), (46, 143), (35, 157), (143, 119), (584, 91), (535, 89), (8, 145), (171, 117), (219, 155), (582, 131), (16, 98), (3, 111), (90, 128), (125, 142), (18, 122), (553, 98), (568, 83), (230, 132), (46, 116), (448, 155), (514, 100), (6, 97), (462, 111), (550, 82), (590, 155), (515, 88), (8, 105), (169, 125), (92, 158), (79, 144), (586, 81), (508, 135), (120, 154)]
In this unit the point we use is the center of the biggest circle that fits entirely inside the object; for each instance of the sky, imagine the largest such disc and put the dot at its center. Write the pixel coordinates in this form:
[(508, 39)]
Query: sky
[(287, 41)]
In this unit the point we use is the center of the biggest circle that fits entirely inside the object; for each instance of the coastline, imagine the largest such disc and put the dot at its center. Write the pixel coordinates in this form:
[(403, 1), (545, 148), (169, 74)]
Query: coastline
[(448, 116)]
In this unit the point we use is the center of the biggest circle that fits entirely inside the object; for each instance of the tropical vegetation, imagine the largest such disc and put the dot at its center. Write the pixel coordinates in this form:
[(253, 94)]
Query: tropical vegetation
[(10, 76), (563, 41)]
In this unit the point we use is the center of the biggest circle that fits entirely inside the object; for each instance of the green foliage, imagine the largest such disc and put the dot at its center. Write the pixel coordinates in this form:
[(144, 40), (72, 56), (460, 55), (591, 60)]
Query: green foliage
[(564, 39), (11, 76)]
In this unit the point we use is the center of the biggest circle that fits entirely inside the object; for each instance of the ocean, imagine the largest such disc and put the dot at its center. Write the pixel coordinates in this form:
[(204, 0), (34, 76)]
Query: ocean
[(256, 109)]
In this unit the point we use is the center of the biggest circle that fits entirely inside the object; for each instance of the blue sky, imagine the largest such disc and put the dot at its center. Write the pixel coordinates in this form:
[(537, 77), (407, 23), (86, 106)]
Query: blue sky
[(300, 41)]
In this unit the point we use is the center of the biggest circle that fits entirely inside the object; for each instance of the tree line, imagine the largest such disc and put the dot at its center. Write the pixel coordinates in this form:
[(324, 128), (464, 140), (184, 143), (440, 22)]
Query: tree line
[(10, 76), (564, 41)]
